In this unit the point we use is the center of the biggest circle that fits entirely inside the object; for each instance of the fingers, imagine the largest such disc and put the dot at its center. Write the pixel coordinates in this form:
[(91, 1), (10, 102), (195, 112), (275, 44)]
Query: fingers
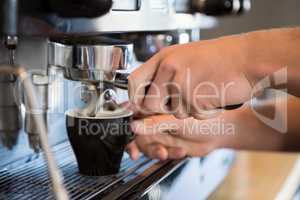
[(139, 79), (171, 147), (178, 106), (136, 112), (156, 151), (157, 96), (133, 150), (176, 153), (148, 145), (150, 148), (169, 133), (150, 85), (206, 114), (157, 124)]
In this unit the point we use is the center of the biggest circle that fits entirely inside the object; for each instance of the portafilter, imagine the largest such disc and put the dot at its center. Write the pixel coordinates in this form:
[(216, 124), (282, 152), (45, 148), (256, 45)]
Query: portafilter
[(91, 59)]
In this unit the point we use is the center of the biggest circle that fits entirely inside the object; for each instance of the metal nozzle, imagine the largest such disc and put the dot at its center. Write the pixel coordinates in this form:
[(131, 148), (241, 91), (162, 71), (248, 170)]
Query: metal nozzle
[(10, 116), (41, 88), (11, 43)]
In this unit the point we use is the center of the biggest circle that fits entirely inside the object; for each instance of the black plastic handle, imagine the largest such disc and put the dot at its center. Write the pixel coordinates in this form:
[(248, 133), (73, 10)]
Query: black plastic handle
[(221, 7), (121, 81)]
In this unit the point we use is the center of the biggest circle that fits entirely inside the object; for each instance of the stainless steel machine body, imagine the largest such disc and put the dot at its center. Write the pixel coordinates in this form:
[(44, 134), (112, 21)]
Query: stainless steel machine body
[(59, 66)]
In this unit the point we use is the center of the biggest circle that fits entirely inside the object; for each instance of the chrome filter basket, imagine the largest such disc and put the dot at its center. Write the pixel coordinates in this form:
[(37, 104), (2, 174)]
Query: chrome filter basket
[(90, 59)]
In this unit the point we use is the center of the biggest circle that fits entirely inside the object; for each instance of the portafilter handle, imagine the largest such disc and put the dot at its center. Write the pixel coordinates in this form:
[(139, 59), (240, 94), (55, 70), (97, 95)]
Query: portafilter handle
[(121, 81)]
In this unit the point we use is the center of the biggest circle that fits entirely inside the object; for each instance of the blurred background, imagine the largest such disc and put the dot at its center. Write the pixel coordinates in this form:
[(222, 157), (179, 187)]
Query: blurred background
[(265, 14)]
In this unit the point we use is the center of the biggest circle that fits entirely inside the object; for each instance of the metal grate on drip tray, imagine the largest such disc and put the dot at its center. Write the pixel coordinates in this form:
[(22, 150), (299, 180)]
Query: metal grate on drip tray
[(31, 180)]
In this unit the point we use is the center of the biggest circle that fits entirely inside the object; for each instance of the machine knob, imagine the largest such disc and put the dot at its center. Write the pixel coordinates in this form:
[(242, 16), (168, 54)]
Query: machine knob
[(221, 7)]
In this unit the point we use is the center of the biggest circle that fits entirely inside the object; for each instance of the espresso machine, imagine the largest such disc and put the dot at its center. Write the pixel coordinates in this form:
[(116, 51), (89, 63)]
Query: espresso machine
[(52, 61)]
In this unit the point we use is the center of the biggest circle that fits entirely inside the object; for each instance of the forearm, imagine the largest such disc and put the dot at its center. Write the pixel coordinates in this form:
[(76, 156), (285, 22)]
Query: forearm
[(251, 133), (270, 51)]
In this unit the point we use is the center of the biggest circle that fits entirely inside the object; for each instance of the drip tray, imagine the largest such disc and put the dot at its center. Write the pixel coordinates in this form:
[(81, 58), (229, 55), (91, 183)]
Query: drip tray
[(31, 180)]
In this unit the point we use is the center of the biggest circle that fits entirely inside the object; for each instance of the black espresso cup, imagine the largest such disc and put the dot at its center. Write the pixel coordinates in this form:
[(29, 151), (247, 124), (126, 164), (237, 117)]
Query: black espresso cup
[(99, 143)]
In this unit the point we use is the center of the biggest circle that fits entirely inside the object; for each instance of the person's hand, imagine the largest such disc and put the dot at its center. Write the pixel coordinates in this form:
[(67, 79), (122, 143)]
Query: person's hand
[(192, 78), (166, 137)]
